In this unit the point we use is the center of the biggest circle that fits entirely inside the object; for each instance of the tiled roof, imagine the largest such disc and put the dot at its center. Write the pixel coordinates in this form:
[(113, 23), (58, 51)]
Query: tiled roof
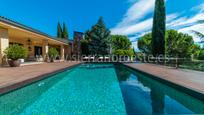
[(63, 40)]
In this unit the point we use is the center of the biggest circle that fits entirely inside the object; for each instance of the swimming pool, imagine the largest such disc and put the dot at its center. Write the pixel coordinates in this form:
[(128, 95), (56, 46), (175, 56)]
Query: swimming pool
[(143, 95), (98, 89)]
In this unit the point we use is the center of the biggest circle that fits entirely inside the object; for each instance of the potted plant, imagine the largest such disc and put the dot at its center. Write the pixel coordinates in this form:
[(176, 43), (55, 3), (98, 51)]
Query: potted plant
[(52, 53), (14, 53)]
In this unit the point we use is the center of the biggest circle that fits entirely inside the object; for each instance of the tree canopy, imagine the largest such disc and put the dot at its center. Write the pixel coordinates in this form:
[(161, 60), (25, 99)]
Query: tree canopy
[(99, 38), (177, 44), (120, 42), (144, 44), (121, 45)]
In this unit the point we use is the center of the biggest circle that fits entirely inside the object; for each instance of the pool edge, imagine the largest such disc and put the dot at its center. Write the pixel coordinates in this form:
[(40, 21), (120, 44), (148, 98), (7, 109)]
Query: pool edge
[(190, 91), (11, 87)]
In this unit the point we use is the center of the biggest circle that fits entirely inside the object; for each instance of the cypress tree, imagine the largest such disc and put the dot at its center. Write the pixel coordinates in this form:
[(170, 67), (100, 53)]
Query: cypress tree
[(59, 30), (65, 32), (159, 27), (134, 52)]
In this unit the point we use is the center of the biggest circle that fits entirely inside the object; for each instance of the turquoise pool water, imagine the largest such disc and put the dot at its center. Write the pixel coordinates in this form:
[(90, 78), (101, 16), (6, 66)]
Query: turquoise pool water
[(100, 89), (86, 89)]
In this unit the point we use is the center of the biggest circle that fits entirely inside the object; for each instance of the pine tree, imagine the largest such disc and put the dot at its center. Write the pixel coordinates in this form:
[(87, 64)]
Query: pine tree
[(59, 30), (159, 27), (99, 38), (65, 32)]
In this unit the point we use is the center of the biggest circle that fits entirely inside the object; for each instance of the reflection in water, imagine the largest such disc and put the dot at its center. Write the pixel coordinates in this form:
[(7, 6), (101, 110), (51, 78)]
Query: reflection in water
[(143, 95), (157, 101)]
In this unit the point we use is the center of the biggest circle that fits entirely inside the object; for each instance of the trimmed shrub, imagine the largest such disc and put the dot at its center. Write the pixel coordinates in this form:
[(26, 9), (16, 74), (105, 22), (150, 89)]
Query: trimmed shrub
[(53, 53), (15, 52)]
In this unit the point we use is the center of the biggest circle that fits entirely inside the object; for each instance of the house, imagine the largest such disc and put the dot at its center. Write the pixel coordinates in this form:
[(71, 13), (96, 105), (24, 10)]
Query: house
[(78, 36), (37, 43)]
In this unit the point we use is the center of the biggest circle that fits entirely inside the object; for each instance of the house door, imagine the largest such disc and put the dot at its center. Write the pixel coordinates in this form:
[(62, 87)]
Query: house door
[(38, 51)]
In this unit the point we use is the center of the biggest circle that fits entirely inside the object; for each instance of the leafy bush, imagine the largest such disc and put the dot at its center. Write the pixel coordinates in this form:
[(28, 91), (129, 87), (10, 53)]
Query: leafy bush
[(118, 52), (16, 52), (124, 52), (53, 52), (193, 65), (201, 55), (129, 52), (195, 50)]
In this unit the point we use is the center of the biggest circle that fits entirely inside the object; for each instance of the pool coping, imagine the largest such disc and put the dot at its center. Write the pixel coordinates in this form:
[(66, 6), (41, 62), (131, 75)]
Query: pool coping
[(11, 87), (190, 91)]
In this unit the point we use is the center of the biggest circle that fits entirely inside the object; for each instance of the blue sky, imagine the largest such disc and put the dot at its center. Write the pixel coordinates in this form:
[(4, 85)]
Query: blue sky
[(128, 17), (79, 15)]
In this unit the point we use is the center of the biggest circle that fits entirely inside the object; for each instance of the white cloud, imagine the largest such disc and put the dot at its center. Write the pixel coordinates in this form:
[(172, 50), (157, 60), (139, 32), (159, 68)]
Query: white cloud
[(184, 21), (172, 17), (141, 27), (137, 11), (133, 29), (187, 24), (188, 30), (176, 22), (199, 7), (132, 24)]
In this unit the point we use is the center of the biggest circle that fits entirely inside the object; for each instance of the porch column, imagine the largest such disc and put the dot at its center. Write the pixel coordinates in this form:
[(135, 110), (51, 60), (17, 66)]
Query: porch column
[(4, 43), (45, 49), (62, 51)]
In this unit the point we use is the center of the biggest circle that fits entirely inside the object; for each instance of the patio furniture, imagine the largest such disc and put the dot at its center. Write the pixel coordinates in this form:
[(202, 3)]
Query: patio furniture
[(22, 60), (92, 58)]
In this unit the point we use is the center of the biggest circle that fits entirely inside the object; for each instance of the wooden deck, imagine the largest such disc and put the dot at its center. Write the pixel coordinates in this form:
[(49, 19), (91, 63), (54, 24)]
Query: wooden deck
[(189, 79), (12, 78)]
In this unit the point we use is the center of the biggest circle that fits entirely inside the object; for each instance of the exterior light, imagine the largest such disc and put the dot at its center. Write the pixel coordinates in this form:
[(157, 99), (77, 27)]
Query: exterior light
[(29, 42)]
